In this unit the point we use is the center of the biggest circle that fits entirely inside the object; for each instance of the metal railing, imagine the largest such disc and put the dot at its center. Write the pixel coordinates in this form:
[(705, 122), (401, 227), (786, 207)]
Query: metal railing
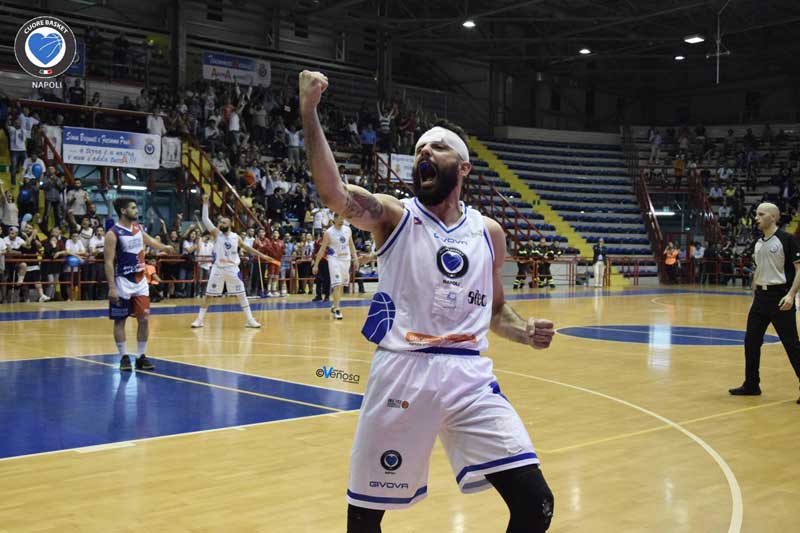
[(642, 195)]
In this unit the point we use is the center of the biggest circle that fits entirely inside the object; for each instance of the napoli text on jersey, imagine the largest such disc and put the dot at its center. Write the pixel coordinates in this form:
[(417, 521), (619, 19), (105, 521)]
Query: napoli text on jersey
[(129, 259), (435, 287)]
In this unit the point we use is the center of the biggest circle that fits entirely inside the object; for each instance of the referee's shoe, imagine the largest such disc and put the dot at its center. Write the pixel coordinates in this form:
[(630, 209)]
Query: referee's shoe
[(746, 390)]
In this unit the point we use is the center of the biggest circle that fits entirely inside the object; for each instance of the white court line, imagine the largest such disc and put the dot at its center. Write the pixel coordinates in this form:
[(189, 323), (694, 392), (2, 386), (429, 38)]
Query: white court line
[(207, 341), (705, 311), (604, 328), (737, 505), (104, 447), (257, 375), (133, 442)]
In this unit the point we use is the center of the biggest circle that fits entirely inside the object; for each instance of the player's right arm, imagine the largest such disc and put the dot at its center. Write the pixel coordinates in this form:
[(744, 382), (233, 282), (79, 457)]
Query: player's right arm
[(212, 229), (109, 254), (377, 213)]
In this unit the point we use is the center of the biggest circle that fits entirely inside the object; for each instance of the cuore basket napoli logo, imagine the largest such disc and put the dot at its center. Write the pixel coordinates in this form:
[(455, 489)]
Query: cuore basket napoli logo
[(45, 47)]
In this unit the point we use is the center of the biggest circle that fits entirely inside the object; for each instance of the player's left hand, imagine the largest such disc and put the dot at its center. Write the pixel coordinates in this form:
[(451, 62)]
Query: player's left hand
[(786, 302), (539, 333)]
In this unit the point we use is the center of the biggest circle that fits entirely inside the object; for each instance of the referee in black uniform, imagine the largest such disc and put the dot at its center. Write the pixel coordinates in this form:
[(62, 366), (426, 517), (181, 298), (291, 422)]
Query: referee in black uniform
[(775, 284)]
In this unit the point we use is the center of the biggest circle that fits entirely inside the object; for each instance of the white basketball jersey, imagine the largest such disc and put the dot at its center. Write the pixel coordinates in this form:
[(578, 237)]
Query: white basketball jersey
[(226, 249), (435, 284), (339, 242)]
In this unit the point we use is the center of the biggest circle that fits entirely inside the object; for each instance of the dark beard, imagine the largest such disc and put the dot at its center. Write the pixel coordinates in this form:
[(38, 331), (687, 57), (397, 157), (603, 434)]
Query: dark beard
[(446, 181)]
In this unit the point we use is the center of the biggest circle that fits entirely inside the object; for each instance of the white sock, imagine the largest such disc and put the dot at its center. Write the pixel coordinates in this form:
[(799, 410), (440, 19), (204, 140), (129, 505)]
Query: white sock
[(202, 314), (121, 348), (245, 305), (141, 347)]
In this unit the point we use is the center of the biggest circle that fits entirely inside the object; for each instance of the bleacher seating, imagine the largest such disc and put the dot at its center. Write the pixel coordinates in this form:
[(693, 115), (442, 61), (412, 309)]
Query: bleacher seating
[(587, 184)]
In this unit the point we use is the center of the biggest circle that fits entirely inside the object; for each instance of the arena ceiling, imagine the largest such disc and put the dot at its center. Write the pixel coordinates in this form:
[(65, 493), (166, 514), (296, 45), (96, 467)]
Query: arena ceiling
[(633, 43)]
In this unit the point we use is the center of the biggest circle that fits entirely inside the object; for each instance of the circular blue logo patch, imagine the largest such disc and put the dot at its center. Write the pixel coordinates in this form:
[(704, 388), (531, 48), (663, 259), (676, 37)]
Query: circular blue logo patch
[(391, 460), (662, 335), (452, 262)]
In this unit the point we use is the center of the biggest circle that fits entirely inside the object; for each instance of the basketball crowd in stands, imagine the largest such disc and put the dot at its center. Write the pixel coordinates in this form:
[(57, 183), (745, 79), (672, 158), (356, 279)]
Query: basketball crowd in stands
[(254, 140), (726, 169)]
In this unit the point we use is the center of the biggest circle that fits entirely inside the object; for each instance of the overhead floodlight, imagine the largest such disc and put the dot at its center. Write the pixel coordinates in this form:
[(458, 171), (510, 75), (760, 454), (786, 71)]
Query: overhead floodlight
[(665, 213), (134, 188), (469, 23), (679, 58), (585, 51), (131, 176), (694, 38)]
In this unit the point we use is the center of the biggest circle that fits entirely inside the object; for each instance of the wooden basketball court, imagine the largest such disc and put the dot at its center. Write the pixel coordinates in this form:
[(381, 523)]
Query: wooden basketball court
[(634, 427)]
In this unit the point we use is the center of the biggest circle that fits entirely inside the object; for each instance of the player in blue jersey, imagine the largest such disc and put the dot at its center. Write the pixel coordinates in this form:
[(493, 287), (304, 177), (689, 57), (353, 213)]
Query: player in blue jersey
[(128, 292)]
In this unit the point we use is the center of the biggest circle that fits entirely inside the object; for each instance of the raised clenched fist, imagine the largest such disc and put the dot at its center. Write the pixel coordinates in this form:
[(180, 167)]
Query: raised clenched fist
[(312, 85)]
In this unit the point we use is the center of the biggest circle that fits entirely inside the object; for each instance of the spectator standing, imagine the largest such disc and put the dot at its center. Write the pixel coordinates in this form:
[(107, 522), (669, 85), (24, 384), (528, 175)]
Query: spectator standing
[(16, 145), (671, 261), (698, 252), (599, 258), (368, 139), (76, 94)]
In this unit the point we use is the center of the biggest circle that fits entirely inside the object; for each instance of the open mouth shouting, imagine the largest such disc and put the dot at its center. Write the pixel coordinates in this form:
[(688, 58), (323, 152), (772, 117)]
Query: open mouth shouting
[(428, 174)]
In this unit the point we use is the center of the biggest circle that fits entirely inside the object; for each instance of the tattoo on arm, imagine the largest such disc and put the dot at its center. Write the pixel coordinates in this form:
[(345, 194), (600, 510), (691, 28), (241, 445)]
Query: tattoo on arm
[(362, 203)]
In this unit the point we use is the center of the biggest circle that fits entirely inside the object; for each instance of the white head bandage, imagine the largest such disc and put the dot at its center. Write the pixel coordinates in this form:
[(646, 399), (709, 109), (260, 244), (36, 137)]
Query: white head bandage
[(442, 135)]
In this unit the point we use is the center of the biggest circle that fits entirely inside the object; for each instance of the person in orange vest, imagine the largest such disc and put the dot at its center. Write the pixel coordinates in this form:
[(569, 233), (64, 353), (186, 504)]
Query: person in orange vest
[(671, 261), (153, 281)]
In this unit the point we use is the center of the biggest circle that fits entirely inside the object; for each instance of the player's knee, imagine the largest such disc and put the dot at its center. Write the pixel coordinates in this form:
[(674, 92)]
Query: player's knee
[(528, 497), (362, 520)]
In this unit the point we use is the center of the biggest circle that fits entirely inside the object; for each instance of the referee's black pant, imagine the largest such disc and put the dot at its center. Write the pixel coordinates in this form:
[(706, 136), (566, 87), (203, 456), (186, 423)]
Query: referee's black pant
[(764, 311)]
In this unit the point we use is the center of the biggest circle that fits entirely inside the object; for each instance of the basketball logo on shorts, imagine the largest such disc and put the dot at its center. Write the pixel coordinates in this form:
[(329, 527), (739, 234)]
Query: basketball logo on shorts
[(380, 318), (452, 262), (391, 460)]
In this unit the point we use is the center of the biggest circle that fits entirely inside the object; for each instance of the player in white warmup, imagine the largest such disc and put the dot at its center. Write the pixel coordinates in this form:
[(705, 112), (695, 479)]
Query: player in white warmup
[(440, 290), (225, 269), (337, 244)]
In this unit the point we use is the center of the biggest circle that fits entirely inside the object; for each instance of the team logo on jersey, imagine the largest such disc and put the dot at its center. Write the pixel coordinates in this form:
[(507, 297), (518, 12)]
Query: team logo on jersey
[(342, 240), (391, 460), (228, 245), (452, 262), (773, 249)]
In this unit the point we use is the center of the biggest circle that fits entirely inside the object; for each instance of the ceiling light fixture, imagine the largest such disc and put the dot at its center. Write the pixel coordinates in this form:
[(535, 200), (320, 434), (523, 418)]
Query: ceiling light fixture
[(695, 38), (469, 23), (584, 51), (679, 58)]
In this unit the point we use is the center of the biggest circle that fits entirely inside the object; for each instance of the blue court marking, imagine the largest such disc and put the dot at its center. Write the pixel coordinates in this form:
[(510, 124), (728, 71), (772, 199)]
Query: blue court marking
[(344, 401), (662, 335), (56, 404), (46, 314)]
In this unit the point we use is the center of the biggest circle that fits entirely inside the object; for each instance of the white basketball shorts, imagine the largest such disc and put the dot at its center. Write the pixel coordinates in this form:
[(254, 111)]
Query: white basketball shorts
[(128, 289), (340, 271), (411, 398), (225, 276)]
